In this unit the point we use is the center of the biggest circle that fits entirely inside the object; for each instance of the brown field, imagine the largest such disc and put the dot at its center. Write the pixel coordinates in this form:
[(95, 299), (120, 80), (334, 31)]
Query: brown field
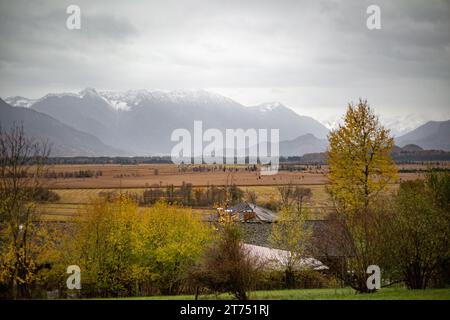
[(143, 176), (134, 179), (64, 211)]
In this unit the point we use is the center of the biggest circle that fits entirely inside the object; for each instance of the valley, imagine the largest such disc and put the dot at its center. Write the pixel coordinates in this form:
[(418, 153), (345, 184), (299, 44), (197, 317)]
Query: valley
[(76, 192)]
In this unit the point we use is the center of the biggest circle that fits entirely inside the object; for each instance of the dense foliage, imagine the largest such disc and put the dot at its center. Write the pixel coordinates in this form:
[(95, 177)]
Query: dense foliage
[(126, 250)]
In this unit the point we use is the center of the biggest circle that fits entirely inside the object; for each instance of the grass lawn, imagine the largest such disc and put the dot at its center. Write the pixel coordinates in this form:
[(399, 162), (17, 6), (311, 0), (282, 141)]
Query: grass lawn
[(325, 294)]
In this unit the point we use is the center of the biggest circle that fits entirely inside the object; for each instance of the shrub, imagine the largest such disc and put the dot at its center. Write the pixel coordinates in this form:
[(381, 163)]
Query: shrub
[(42, 194), (227, 266)]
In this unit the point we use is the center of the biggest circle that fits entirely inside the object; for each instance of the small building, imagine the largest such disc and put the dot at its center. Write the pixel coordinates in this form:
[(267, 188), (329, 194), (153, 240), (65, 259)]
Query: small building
[(248, 212)]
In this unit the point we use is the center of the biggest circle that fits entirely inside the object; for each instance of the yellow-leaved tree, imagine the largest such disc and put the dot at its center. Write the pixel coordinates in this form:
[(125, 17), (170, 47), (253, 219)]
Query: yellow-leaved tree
[(291, 233), (360, 165), (124, 250), (103, 243), (172, 239), (360, 169)]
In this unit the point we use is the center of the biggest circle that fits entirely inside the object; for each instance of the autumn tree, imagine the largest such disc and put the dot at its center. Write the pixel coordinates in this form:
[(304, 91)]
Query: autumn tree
[(301, 195), (416, 247), (291, 233), (286, 194), (173, 238), (22, 162), (228, 266), (251, 196), (103, 244), (360, 169), (121, 249)]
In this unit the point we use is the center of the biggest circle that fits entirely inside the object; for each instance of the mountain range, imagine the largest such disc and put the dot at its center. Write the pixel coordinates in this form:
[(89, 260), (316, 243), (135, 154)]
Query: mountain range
[(140, 122), (434, 135)]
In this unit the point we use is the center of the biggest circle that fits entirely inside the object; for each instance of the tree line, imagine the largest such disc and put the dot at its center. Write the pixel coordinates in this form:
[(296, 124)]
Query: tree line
[(188, 195), (72, 174)]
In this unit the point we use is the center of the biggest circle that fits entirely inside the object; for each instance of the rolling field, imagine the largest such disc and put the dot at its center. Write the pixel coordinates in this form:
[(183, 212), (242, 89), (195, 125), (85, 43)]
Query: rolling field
[(157, 175), (58, 211), (74, 192)]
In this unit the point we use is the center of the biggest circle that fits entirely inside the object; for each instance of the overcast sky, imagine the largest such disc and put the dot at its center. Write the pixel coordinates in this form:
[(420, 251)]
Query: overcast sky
[(313, 56)]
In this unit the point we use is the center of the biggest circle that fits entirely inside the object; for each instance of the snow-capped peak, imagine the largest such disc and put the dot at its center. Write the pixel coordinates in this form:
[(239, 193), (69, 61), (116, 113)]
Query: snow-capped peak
[(125, 100), (88, 92), (128, 99), (270, 106), (400, 125), (18, 101), (60, 95), (196, 96)]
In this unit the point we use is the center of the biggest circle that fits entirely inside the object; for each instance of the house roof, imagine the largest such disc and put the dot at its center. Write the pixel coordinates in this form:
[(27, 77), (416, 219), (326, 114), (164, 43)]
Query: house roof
[(242, 206), (262, 214), (277, 259)]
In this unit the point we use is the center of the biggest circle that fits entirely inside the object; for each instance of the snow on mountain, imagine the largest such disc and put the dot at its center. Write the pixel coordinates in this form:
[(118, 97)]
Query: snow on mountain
[(397, 125), (269, 106), (85, 93), (59, 95), (18, 101), (402, 124), (88, 92), (147, 118), (196, 96), (126, 100)]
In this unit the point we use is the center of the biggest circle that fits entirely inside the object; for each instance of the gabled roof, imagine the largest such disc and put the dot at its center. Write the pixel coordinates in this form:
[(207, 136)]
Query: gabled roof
[(262, 214), (242, 206)]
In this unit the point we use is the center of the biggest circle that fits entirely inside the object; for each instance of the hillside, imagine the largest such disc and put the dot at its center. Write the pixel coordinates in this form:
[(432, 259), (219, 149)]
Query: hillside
[(432, 135), (64, 140), (307, 143)]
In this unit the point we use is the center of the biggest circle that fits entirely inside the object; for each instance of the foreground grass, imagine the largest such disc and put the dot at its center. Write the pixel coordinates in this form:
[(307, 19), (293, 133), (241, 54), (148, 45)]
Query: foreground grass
[(324, 294)]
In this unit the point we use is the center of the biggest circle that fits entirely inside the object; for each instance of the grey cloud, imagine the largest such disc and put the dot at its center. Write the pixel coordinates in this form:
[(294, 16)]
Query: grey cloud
[(312, 45)]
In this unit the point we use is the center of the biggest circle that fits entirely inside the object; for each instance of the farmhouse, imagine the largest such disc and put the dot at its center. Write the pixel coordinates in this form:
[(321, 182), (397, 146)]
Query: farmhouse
[(248, 212), (256, 223)]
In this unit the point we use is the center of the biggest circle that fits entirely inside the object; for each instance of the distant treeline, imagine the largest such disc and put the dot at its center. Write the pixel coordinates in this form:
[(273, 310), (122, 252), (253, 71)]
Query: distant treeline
[(309, 158), (108, 160), (185, 195), (421, 156), (216, 168), (434, 169), (313, 158), (299, 167), (73, 174), (57, 175), (399, 158)]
